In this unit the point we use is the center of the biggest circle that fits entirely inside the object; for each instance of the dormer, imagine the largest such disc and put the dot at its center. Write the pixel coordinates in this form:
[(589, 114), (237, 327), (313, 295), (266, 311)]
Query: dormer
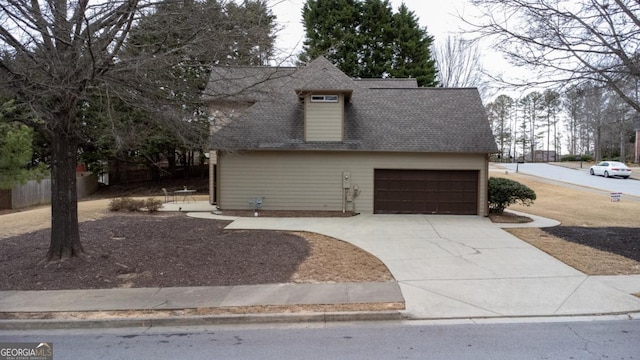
[(324, 115), (324, 95)]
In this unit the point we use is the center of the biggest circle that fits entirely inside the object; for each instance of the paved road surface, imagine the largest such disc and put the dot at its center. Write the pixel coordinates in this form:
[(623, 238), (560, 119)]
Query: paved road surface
[(578, 177), (394, 340)]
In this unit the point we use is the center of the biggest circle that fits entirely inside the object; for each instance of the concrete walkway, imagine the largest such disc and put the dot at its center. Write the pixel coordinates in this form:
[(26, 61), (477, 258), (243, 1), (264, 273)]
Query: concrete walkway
[(446, 267)]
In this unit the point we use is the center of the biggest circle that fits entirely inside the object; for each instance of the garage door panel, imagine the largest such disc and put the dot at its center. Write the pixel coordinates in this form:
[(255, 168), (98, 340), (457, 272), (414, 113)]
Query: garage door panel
[(426, 191)]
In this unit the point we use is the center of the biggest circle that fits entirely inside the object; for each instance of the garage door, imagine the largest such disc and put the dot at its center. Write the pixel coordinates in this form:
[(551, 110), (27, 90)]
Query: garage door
[(426, 192)]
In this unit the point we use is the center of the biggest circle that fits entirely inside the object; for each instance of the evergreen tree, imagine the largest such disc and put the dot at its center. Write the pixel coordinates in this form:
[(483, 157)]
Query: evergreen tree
[(16, 150), (331, 31), (411, 53), (376, 39), (366, 39)]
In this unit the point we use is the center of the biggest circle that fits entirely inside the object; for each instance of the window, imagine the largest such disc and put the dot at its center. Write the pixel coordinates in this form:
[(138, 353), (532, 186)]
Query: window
[(324, 98)]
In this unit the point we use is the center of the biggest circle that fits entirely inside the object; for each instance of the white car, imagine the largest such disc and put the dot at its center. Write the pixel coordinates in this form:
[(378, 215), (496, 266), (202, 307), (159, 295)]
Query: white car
[(610, 168)]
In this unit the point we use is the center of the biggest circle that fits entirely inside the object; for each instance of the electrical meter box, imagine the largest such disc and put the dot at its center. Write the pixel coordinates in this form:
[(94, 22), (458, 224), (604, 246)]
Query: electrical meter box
[(346, 179)]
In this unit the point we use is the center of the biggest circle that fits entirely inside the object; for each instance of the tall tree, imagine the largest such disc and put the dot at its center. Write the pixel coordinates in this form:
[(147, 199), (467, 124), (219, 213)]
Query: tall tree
[(500, 113), (412, 49), (366, 39), (55, 53), (531, 113), (550, 108), (376, 37), (571, 103), (458, 62), (572, 41), (331, 30)]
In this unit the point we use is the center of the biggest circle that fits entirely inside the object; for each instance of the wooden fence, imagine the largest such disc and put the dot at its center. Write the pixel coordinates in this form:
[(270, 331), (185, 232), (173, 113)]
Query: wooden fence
[(39, 192), (123, 174)]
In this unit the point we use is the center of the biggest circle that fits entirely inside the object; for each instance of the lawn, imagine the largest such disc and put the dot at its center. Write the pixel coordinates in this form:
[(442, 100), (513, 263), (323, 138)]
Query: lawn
[(596, 236)]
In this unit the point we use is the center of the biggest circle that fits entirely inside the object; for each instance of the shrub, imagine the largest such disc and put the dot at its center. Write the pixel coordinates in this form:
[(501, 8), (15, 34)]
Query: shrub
[(504, 192), (116, 204), (134, 205), (152, 204), (126, 204), (576, 158)]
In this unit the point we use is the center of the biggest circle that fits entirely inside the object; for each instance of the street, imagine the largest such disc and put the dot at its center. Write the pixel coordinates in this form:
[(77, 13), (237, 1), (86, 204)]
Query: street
[(579, 177), (611, 339)]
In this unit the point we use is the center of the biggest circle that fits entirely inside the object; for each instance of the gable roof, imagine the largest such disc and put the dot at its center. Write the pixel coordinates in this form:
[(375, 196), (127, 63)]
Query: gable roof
[(321, 75), (377, 118)]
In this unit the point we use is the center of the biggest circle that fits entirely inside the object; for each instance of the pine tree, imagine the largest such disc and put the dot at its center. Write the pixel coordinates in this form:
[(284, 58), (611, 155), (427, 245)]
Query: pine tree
[(411, 53), (376, 39), (331, 31), (366, 39)]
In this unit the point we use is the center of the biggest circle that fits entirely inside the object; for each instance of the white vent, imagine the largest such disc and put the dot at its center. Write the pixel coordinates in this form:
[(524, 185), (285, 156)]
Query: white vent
[(324, 98)]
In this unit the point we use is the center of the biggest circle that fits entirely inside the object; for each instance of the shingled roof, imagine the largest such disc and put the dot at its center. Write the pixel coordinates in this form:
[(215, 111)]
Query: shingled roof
[(378, 117)]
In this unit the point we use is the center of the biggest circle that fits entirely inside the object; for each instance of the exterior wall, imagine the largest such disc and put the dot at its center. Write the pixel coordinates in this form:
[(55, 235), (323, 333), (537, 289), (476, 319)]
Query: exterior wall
[(324, 120), (313, 180)]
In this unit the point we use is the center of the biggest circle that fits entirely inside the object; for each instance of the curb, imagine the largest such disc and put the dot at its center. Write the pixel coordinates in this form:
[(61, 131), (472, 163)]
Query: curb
[(200, 320)]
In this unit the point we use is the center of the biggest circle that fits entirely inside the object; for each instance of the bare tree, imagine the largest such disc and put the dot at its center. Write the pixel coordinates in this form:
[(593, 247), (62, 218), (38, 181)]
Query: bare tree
[(458, 62), (571, 103), (500, 113), (567, 41), (532, 112), (54, 53), (551, 107)]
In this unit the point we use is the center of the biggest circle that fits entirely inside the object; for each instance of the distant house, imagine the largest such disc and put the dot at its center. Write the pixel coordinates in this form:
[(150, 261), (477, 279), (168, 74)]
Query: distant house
[(542, 156), (312, 138)]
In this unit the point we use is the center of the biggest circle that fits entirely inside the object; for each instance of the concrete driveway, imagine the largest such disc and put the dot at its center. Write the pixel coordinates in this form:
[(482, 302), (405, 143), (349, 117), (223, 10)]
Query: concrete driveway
[(466, 266)]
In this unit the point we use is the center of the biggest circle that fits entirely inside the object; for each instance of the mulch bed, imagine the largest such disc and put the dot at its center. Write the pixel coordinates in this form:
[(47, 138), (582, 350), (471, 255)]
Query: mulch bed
[(624, 241), (162, 250)]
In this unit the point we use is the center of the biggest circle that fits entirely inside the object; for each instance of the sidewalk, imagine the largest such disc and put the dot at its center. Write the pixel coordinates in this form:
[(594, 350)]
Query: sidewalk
[(446, 267), (140, 299)]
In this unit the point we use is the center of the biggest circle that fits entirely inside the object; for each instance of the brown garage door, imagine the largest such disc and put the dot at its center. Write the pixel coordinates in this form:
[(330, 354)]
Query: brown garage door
[(426, 192)]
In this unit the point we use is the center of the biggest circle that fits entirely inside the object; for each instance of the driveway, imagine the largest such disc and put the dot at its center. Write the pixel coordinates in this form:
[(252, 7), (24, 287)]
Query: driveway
[(464, 266)]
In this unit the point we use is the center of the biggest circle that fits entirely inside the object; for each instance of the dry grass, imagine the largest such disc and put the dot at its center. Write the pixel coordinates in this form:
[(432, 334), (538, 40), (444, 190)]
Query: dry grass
[(333, 260), (232, 310), (575, 207)]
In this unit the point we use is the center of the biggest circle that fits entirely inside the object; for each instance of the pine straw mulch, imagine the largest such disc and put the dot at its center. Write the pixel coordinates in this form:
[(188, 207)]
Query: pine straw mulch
[(169, 250)]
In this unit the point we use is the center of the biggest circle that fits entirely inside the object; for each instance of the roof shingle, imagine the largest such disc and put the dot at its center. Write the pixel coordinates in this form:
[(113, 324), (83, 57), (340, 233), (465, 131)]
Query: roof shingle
[(377, 118)]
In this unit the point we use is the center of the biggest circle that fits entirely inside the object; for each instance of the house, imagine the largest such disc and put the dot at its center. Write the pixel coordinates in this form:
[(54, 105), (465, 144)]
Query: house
[(312, 138), (542, 156)]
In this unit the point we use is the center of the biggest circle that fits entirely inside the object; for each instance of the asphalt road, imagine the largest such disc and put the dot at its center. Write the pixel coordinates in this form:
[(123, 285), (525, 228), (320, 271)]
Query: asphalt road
[(579, 177), (392, 340)]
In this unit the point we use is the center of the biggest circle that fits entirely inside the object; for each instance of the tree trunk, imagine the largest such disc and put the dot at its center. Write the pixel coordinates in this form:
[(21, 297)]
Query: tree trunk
[(623, 144), (65, 234)]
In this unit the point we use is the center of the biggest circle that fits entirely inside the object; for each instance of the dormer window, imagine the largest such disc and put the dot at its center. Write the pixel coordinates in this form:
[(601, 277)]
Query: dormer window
[(324, 98)]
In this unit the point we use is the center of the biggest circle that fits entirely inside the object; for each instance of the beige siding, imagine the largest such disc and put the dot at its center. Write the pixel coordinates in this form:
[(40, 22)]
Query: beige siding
[(313, 180), (324, 121)]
